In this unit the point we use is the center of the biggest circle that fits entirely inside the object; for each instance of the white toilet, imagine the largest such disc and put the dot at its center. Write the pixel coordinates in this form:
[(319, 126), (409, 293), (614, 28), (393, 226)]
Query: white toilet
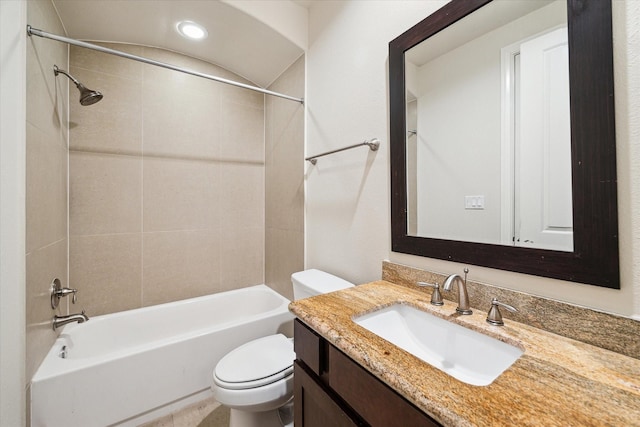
[(256, 379)]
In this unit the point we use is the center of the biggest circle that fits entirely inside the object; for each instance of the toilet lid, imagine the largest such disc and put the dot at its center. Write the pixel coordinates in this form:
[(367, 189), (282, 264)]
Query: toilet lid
[(256, 363)]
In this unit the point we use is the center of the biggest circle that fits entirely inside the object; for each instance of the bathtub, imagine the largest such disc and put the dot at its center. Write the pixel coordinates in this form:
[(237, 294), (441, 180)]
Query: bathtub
[(130, 367)]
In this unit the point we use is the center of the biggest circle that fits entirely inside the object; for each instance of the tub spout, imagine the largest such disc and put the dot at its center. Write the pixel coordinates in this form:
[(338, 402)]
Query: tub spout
[(63, 320)]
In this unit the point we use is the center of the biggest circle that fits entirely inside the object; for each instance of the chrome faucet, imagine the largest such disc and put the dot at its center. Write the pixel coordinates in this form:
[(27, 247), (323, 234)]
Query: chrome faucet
[(436, 296), (59, 321), (463, 296), (494, 316)]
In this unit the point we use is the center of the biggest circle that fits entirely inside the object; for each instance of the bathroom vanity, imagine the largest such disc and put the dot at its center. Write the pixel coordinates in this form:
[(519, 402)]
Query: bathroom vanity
[(346, 375), (333, 390)]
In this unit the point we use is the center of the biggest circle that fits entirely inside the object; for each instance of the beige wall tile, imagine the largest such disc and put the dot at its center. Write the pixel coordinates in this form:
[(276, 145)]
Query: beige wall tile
[(201, 178), (46, 194), (108, 64), (46, 94), (291, 82), (42, 266), (284, 114), (180, 195), (242, 132), (157, 78), (284, 178), (180, 265), (285, 118), (284, 256), (105, 194), (284, 194), (42, 15), (107, 271), (242, 256), (238, 95), (41, 85), (242, 195), (285, 131), (181, 123), (113, 125)]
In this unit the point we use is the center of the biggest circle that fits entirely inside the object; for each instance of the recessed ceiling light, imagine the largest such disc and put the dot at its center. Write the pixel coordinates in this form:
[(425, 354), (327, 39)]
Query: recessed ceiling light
[(191, 30)]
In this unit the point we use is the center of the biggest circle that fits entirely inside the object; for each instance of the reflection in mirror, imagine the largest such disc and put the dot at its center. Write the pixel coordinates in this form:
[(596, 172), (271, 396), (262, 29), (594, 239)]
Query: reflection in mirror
[(488, 128), (481, 169)]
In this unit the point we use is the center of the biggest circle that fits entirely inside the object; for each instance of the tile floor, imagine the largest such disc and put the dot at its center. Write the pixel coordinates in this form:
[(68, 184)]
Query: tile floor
[(207, 413)]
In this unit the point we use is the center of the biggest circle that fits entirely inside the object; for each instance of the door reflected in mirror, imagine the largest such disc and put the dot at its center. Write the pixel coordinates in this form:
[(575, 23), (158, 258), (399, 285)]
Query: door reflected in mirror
[(488, 129)]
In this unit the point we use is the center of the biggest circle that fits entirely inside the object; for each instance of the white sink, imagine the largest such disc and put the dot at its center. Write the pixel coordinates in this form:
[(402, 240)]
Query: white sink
[(469, 356)]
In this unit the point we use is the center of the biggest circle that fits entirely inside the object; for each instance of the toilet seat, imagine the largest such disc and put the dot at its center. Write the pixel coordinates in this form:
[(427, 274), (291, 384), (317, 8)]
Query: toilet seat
[(255, 364)]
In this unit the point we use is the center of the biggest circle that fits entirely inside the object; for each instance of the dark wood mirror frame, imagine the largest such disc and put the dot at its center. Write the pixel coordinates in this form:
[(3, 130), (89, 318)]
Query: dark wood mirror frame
[(594, 259)]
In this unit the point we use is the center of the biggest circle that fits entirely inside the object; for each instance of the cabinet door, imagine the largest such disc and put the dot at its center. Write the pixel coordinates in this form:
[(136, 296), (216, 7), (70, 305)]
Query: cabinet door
[(313, 405), (370, 398)]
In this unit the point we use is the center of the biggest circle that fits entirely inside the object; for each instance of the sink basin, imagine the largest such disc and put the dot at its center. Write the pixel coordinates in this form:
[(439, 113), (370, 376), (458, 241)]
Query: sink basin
[(467, 355)]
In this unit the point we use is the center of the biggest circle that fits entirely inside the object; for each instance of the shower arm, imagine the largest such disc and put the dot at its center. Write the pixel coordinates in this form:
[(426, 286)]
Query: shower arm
[(36, 32), (57, 71)]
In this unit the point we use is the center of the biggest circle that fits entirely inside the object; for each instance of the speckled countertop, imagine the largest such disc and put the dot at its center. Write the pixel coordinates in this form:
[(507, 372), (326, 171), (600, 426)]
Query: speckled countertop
[(556, 382)]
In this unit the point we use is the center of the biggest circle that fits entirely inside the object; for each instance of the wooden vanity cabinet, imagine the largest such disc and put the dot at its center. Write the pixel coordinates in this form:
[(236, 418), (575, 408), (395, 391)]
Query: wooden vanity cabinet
[(330, 389)]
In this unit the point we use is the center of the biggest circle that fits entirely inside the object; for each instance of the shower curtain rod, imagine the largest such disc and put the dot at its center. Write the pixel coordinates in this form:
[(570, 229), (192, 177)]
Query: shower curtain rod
[(36, 32)]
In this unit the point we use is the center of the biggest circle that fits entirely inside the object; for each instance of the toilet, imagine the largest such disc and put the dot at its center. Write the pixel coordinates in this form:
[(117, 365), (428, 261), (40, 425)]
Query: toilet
[(255, 380)]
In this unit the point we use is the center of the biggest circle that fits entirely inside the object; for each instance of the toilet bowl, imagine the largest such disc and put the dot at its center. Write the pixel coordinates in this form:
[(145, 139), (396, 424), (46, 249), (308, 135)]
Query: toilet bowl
[(255, 380), (244, 384)]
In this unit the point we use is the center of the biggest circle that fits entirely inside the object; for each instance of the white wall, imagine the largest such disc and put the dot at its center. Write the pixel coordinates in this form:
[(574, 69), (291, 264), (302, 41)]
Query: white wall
[(626, 40), (461, 158), (458, 142), (12, 211), (347, 201), (347, 194)]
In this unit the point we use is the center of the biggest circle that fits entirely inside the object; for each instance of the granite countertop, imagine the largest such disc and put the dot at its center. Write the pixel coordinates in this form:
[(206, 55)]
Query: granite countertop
[(556, 382)]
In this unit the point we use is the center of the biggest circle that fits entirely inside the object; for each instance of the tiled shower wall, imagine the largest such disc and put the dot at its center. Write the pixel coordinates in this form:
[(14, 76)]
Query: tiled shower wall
[(167, 182), (284, 209), (46, 186)]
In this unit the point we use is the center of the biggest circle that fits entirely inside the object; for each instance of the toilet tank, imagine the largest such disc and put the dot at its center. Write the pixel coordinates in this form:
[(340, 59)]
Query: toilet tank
[(313, 282)]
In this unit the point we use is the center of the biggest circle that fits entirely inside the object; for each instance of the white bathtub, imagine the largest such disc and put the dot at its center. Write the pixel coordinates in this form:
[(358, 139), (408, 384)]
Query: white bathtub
[(127, 368)]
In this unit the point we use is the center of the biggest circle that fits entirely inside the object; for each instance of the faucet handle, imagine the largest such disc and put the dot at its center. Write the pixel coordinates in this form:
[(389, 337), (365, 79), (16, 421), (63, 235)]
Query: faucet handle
[(436, 296), (58, 292), (494, 316)]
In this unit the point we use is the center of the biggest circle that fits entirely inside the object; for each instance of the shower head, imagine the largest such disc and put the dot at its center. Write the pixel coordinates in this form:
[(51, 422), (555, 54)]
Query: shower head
[(87, 96)]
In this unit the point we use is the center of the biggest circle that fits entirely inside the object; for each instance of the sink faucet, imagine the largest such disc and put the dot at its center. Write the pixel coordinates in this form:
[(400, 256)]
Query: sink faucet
[(463, 296), (59, 321)]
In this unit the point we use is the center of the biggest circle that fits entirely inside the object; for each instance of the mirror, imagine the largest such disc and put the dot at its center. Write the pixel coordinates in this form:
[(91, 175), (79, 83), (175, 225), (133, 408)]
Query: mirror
[(503, 139), (505, 176)]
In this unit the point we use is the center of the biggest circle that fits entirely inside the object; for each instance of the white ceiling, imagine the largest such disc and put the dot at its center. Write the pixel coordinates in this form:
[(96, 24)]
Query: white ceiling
[(237, 41)]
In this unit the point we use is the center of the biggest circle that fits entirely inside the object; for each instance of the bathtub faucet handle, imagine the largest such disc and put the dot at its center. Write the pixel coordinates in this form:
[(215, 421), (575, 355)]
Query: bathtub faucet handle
[(57, 292)]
